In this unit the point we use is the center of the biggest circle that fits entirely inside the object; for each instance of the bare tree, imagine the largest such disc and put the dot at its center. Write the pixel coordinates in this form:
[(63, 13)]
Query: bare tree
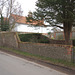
[(2, 4), (13, 7)]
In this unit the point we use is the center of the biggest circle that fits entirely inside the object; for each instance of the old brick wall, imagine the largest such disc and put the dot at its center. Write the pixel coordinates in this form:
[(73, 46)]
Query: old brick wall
[(46, 50)]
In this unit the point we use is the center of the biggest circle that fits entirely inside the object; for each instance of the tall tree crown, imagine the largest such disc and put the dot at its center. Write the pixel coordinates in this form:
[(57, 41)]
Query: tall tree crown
[(56, 11)]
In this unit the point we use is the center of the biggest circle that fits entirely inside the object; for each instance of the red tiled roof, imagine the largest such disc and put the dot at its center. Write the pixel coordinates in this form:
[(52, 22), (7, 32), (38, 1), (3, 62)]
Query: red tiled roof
[(22, 20), (19, 19)]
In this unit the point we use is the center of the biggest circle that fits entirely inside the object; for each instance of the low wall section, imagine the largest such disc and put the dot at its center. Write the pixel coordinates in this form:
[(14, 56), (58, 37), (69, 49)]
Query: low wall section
[(52, 51), (8, 39), (48, 50)]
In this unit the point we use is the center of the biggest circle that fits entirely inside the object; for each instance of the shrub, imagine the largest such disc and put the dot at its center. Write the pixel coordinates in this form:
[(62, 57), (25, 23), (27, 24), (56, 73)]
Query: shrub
[(34, 37)]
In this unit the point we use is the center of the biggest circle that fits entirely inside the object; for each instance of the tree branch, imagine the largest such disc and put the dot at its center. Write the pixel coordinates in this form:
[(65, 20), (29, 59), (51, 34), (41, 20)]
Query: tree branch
[(54, 26), (59, 26)]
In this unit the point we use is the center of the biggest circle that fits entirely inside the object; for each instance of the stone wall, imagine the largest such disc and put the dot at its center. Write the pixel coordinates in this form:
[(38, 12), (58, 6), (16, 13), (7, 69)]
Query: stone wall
[(9, 39), (48, 50)]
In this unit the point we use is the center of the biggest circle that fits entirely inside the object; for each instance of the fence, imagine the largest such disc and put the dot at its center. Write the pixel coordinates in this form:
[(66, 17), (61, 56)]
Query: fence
[(62, 42)]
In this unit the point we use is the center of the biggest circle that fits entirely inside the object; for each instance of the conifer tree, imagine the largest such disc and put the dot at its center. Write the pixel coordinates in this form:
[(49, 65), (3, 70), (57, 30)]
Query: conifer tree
[(59, 13)]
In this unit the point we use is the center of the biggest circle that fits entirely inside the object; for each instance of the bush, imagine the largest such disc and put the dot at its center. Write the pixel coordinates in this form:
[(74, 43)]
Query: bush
[(34, 37)]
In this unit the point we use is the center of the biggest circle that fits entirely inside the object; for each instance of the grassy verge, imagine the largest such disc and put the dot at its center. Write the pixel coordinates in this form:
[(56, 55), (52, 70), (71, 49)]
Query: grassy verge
[(47, 59)]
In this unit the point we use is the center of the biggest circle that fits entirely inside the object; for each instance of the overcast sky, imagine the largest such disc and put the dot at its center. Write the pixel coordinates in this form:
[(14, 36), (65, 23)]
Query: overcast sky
[(27, 5)]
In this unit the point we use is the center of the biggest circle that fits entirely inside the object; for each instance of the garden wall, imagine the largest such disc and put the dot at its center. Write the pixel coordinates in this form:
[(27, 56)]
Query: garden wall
[(8, 39), (48, 50)]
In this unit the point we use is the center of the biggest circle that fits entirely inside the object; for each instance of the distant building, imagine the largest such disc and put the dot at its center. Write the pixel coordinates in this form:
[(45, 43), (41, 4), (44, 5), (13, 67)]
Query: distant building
[(21, 20), (60, 35)]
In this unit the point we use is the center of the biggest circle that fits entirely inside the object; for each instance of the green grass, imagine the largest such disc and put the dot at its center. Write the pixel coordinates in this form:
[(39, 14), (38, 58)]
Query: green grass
[(47, 59)]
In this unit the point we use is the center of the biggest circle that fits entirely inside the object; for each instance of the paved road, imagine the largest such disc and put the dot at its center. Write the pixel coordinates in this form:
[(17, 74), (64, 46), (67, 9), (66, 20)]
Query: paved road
[(12, 65)]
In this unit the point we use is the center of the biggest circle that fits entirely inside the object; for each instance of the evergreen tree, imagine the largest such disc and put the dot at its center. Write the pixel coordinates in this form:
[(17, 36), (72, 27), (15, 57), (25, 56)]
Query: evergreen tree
[(4, 24), (59, 13)]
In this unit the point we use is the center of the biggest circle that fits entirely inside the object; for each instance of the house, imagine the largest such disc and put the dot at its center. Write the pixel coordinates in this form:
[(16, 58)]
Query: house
[(19, 21), (60, 35)]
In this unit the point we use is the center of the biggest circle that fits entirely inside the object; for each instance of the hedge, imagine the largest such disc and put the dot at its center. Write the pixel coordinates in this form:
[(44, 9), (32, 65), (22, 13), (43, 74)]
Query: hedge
[(34, 37)]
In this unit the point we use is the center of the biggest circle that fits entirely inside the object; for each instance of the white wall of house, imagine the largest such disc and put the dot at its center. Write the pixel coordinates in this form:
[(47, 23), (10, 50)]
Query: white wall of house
[(29, 28)]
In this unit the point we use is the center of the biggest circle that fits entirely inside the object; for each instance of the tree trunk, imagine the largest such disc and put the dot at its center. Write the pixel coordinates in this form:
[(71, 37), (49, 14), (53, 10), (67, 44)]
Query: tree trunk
[(67, 31)]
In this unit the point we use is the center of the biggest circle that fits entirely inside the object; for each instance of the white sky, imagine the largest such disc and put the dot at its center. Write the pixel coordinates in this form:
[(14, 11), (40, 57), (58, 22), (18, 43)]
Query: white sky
[(27, 5)]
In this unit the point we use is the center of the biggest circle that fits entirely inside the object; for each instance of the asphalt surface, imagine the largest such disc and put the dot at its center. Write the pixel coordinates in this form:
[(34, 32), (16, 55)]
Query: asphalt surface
[(12, 65)]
